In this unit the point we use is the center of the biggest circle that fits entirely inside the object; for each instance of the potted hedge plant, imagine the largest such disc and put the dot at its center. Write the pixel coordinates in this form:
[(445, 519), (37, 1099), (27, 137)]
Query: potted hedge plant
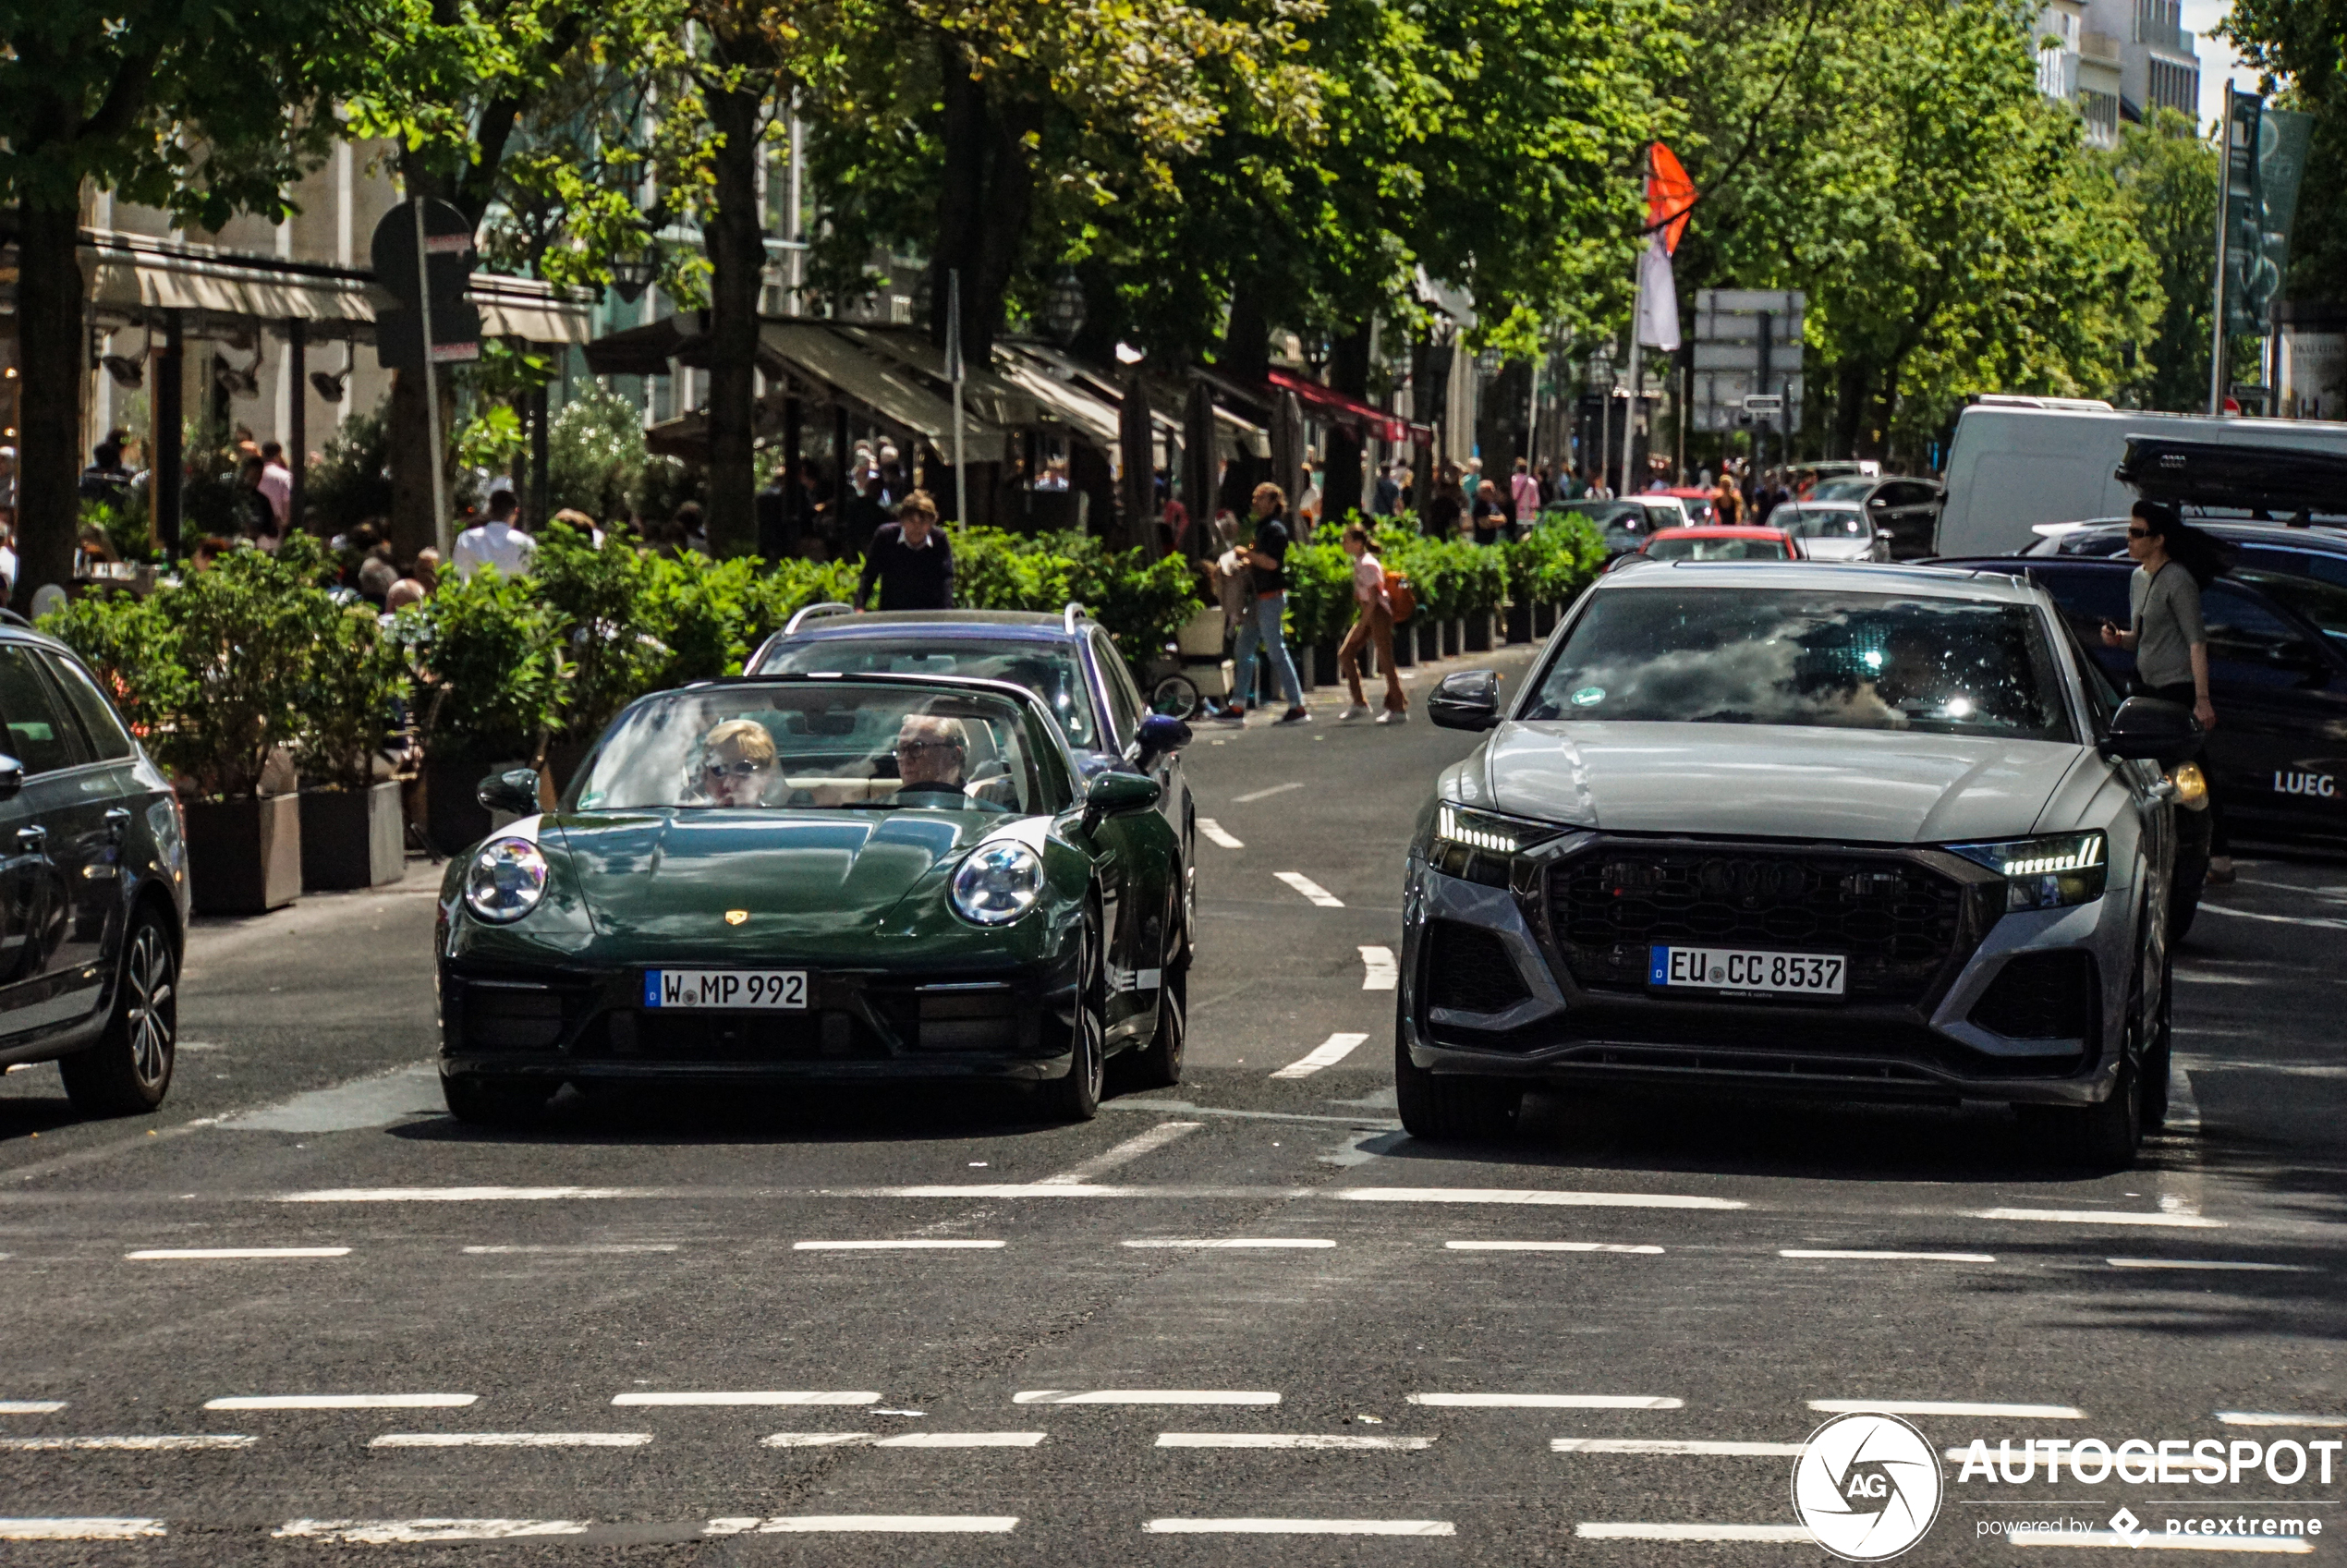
[(353, 834), (483, 655)]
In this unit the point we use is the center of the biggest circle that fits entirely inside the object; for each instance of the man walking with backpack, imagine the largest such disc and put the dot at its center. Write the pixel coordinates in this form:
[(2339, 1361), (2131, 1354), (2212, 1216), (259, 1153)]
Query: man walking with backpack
[(1374, 624)]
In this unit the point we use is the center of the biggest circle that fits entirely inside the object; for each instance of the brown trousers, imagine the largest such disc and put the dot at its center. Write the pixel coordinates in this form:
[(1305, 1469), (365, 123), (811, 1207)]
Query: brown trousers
[(1375, 625)]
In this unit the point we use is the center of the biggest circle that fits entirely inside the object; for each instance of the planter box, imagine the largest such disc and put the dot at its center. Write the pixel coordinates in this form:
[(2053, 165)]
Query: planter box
[(1324, 670), (1453, 634), (1519, 623), (1544, 619), (1429, 641), (1201, 637), (454, 819), (1405, 645), (352, 838), (244, 856), (1477, 639)]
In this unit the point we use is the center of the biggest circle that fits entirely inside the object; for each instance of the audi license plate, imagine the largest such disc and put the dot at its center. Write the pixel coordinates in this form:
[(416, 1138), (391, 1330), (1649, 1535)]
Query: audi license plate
[(1728, 968), (755, 991)]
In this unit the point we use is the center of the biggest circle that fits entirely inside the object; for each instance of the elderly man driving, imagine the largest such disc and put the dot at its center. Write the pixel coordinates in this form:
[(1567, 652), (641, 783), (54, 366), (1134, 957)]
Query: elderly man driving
[(932, 756)]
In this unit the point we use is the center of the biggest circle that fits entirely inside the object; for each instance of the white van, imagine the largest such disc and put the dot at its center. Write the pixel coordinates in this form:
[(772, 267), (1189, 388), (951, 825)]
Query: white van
[(2019, 461)]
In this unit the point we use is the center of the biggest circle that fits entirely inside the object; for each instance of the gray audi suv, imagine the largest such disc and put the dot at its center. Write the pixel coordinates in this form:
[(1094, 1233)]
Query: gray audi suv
[(1863, 831)]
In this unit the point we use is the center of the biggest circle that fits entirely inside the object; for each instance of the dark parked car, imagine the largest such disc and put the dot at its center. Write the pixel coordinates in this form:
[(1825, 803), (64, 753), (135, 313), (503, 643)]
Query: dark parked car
[(1907, 508), (94, 886), (2318, 553), (1067, 660)]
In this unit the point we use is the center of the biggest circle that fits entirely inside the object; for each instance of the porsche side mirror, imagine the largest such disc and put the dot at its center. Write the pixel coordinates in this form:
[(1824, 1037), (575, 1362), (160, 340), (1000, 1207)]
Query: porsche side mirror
[(11, 777), (1468, 700), (515, 790), (2145, 729), (1116, 793), (1160, 734)]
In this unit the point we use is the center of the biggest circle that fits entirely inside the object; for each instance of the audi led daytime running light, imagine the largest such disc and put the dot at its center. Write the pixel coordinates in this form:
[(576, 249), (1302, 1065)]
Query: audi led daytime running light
[(506, 880), (998, 883), (1482, 830), (2045, 873)]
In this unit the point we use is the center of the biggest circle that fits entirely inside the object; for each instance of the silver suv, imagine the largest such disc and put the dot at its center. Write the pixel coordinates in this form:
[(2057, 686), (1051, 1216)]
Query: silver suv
[(1862, 832)]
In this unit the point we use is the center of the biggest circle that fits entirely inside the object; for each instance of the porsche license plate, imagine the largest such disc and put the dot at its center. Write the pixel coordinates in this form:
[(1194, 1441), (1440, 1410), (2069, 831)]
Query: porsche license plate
[(736, 991), (1728, 968)]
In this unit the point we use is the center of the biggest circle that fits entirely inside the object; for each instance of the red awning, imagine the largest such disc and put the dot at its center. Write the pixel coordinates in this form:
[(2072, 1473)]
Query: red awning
[(1333, 404)]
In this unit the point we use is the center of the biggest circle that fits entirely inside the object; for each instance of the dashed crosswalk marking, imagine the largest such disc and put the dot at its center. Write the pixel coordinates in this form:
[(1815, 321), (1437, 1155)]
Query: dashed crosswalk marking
[(1310, 888), (1888, 1257), (70, 1530), (1234, 1244), (512, 1439), (1600, 1530), (963, 1439), (409, 1532), (1312, 1440), (1216, 833), (1549, 1400), (2210, 1263), (2102, 1217), (880, 1523), (31, 1406), (2268, 1418), (1696, 1446), (1253, 796), (343, 1401), (197, 1254), (745, 1397), (1145, 1396), (132, 1441), (814, 1440), (1379, 969), (584, 1250), (1328, 1054), (1300, 1527), (1948, 1407), (1537, 1197), (918, 1244), (1643, 1251)]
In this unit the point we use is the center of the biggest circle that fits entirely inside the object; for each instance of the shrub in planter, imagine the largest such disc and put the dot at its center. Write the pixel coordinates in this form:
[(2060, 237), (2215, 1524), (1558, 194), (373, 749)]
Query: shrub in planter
[(599, 602), (484, 652), (352, 832)]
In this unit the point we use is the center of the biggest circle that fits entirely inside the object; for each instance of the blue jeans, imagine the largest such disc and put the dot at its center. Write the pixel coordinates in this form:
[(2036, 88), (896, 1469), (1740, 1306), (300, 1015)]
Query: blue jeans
[(1262, 625)]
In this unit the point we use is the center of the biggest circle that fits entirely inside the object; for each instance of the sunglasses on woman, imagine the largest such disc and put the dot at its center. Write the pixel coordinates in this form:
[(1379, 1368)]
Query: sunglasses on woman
[(744, 769), (2138, 533)]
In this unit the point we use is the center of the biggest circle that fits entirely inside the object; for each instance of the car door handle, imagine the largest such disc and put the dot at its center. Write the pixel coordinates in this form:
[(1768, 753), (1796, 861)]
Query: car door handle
[(34, 838), (117, 823)]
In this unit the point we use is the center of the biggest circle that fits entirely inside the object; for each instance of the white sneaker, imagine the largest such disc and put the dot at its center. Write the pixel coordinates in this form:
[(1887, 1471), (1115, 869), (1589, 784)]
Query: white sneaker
[(1358, 711), (1395, 716)]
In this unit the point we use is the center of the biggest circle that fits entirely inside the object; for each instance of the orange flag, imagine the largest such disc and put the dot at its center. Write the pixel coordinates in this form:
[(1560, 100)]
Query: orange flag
[(1670, 195)]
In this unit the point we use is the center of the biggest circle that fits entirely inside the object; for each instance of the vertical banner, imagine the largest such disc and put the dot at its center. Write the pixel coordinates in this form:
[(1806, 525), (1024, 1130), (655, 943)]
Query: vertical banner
[(2265, 159)]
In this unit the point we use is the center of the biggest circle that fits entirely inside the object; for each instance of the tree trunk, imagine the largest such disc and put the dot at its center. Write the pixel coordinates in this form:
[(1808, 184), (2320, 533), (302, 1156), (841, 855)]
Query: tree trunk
[(984, 204), (1851, 402), (1009, 203), (411, 457), (960, 190), (1247, 340), (49, 316), (738, 265), (1348, 373)]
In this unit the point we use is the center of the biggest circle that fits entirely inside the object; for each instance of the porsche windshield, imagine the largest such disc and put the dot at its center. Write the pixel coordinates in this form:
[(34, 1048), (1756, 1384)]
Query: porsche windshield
[(1047, 669), (1789, 656), (812, 744)]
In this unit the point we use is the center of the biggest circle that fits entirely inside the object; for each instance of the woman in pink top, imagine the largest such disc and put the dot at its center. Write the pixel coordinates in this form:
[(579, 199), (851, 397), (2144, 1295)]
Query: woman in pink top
[(1375, 623)]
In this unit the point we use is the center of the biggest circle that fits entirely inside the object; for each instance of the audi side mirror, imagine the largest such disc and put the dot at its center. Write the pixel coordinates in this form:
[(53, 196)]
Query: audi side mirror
[(515, 790), (2147, 730), (11, 777), (1467, 701)]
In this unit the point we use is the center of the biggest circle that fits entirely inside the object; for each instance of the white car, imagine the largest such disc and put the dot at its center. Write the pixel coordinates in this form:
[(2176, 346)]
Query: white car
[(1871, 832), (1833, 530)]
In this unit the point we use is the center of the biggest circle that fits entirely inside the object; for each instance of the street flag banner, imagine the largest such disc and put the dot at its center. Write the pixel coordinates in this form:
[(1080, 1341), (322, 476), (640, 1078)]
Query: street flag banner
[(1658, 298), (1670, 197)]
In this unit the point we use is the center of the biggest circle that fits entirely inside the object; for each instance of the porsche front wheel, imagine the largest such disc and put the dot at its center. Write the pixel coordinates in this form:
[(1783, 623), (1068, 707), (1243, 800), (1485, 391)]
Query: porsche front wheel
[(1077, 1096)]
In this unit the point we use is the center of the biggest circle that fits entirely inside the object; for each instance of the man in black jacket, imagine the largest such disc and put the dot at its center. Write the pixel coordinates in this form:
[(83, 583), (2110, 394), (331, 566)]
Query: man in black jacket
[(910, 560)]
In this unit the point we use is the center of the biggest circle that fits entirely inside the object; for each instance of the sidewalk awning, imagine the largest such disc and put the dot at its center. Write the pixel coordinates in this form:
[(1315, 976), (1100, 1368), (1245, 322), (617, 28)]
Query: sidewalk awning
[(531, 309), (814, 351), (646, 350), (984, 394), (1332, 404)]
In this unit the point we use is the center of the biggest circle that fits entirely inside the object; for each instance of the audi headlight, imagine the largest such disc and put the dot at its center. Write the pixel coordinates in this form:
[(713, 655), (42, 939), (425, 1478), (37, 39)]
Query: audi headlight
[(506, 880), (998, 883), (1479, 845), (2045, 873)]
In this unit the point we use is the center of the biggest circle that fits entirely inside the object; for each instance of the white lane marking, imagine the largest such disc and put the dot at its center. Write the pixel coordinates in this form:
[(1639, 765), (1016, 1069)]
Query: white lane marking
[(1299, 1527), (1328, 1054), (512, 1439), (2241, 1064), (2267, 1418), (1550, 1246), (395, 1532), (1535, 1196), (1045, 1188), (1598, 1530), (31, 1406), (2279, 919), (1236, 1244), (765, 1396), (588, 1250), (813, 1439), (962, 1440), (919, 1244), (1549, 1400), (461, 1195), (134, 1441), (375, 1100), (1892, 1256), (891, 1524), (1083, 1172), (2183, 1105), (2218, 979), (1253, 796), (1379, 972), (2210, 1263), (1343, 1440), (1677, 1445), (78, 1529), (1947, 1407), (343, 1401), (189, 1254), (2279, 1545), (1219, 834), (1145, 1396), (1310, 888), (2100, 1217)]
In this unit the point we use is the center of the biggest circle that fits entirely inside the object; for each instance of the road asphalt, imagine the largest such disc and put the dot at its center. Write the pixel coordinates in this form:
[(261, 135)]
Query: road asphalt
[(1246, 1319)]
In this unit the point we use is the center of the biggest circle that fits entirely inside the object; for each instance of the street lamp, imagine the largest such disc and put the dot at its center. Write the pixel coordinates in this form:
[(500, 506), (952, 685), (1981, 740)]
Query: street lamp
[(1064, 308), (630, 278)]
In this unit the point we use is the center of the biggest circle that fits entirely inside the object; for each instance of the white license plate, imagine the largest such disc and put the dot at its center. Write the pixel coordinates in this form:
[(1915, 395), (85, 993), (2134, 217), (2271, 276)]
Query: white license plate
[(738, 990), (1729, 968)]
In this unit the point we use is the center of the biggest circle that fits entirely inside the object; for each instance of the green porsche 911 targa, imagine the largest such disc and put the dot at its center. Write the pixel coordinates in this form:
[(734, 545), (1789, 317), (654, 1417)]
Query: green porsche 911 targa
[(804, 877)]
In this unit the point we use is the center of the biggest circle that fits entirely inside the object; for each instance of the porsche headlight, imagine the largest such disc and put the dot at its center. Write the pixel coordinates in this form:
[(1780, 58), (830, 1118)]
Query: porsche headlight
[(2045, 873), (506, 880), (1478, 845), (998, 883)]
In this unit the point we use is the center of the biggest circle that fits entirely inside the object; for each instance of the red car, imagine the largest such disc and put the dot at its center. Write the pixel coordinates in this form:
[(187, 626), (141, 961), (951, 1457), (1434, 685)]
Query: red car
[(1715, 543)]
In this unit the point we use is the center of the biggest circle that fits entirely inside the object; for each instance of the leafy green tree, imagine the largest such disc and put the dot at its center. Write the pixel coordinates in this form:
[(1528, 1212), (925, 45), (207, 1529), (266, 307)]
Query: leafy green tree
[(2168, 176), (207, 111)]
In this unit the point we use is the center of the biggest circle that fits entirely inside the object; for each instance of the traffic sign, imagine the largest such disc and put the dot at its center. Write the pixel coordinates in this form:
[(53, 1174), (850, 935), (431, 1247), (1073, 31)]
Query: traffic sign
[(1772, 403), (446, 251)]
